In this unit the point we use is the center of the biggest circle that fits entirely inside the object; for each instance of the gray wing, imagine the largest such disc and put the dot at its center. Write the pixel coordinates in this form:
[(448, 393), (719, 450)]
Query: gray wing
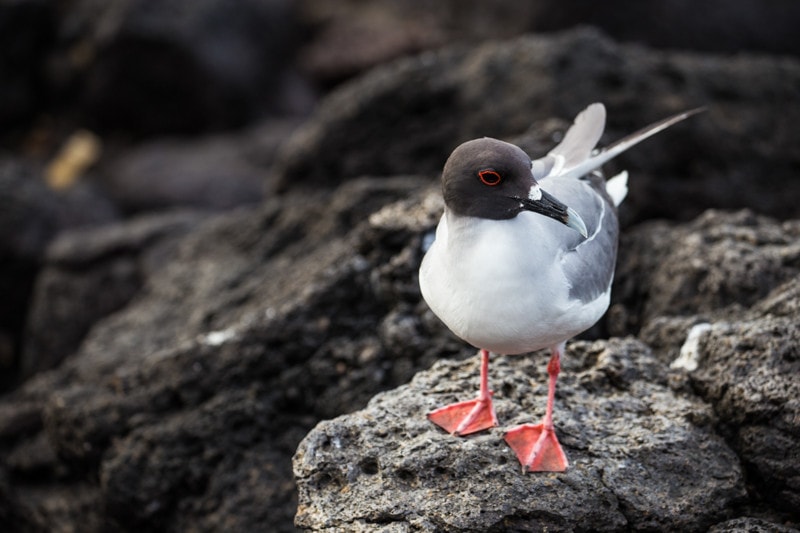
[(588, 263)]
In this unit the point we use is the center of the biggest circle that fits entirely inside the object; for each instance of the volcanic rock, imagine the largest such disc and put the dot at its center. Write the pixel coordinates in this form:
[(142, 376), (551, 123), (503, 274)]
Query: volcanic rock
[(641, 456)]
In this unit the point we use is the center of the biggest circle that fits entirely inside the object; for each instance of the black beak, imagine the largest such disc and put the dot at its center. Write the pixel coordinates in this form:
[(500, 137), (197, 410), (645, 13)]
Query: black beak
[(548, 206)]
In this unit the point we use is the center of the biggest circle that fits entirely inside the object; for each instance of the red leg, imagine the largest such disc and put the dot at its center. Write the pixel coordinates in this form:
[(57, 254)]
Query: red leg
[(536, 445), (471, 416)]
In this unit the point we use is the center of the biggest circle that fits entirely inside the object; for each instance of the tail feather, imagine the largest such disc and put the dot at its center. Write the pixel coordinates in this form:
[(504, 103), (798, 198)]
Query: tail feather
[(617, 187), (623, 144)]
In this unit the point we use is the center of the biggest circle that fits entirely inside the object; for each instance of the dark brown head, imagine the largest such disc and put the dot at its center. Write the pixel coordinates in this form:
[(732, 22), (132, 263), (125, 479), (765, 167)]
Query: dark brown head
[(488, 178)]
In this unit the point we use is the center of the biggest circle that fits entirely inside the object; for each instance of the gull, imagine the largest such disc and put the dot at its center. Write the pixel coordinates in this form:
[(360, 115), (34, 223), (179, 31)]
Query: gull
[(523, 259)]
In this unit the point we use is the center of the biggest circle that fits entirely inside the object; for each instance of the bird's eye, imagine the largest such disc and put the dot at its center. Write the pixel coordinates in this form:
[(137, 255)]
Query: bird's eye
[(490, 177)]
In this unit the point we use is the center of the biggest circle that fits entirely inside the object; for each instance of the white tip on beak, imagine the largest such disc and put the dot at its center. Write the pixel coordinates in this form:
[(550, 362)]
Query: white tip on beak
[(535, 193), (575, 222)]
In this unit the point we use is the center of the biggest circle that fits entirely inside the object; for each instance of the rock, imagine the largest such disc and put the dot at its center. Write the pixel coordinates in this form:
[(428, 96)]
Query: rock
[(31, 215), (750, 525), (747, 24), (352, 37), (136, 69), (13, 516), (641, 456), (216, 172), (90, 274), (721, 263), (736, 276), (209, 379), (745, 368), (349, 39), (177, 66), (205, 67), (748, 371), (499, 89)]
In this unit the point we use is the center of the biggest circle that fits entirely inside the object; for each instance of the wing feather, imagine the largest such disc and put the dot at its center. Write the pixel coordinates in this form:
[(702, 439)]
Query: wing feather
[(573, 158), (576, 146)]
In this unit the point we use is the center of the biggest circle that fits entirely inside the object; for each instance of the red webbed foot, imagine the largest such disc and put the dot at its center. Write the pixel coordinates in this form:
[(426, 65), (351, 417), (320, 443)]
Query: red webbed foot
[(537, 448), (467, 417)]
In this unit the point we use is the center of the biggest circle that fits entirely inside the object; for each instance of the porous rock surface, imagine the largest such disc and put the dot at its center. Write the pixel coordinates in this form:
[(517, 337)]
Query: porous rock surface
[(641, 456)]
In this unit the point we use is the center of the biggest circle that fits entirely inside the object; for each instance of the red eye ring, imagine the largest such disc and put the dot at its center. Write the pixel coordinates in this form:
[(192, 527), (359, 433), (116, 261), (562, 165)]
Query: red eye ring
[(490, 177)]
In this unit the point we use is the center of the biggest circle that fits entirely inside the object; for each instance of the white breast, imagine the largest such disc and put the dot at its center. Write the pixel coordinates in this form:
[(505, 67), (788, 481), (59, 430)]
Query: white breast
[(499, 285)]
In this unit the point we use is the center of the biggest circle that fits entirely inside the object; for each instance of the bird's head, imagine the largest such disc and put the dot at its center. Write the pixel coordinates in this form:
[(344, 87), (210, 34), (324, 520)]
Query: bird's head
[(492, 179)]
